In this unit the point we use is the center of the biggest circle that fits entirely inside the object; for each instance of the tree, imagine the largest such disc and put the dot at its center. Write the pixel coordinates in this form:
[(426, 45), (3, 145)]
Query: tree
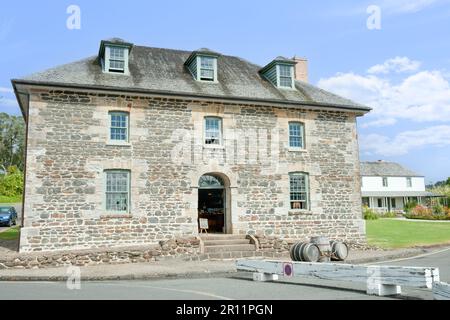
[(12, 141), (448, 181)]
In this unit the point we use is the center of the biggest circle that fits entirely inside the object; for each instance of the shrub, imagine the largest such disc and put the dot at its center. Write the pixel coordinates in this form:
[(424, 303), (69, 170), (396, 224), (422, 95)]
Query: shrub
[(11, 185), (438, 209), (369, 214), (388, 215), (420, 210), (424, 213), (409, 206)]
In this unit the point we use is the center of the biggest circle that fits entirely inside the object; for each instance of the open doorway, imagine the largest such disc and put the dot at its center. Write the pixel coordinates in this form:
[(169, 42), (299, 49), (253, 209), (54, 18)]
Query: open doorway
[(212, 203)]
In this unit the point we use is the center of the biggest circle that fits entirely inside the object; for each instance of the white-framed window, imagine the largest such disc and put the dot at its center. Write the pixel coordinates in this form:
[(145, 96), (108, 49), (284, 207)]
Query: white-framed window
[(207, 68), (409, 182), (285, 73), (296, 135), (117, 191), (380, 203), (393, 203), (116, 59), (299, 190), (213, 131), (119, 126), (385, 181)]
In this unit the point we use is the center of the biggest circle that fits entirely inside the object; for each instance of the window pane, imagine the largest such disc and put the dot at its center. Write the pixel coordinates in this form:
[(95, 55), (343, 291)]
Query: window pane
[(206, 74), (117, 191), (286, 82), (117, 53), (298, 191), (115, 64), (296, 135), (285, 71), (207, 63), (119, 126), (212, 130)]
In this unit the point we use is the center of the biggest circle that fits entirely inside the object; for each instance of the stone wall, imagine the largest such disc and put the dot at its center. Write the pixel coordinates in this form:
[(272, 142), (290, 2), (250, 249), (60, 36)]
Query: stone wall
[(186, 248), (68, 152)]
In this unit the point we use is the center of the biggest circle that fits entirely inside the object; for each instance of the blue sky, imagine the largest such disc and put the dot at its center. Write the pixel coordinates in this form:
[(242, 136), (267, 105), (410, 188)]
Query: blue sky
[(401, 70)]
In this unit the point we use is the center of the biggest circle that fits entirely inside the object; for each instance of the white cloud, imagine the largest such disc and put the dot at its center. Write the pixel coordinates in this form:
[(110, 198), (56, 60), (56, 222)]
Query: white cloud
[(397, 64), (407, 6), (6, 90), (421, 97), (405, 142)]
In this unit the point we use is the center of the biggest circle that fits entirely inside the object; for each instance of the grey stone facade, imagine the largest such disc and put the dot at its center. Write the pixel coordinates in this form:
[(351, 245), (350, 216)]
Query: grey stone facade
[(68, 152)]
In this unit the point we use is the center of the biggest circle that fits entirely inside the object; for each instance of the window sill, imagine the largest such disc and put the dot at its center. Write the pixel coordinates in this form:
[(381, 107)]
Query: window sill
[(299, 150), (118, 144), (210, 146), (300, 212)]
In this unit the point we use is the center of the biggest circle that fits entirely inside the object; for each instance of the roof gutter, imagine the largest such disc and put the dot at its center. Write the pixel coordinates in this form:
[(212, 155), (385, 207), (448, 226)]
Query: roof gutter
[(347, 108)]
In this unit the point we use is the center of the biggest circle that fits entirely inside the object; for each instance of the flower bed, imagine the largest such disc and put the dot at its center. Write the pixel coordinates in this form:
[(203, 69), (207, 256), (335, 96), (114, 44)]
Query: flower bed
[(423, 213)]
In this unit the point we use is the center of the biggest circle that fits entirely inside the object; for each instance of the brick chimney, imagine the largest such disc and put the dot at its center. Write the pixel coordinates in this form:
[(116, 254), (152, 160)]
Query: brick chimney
[(301, 69)]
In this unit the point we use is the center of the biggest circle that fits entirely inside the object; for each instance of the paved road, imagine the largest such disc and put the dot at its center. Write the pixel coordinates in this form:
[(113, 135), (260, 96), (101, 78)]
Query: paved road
[(19, 216), (238, 287)]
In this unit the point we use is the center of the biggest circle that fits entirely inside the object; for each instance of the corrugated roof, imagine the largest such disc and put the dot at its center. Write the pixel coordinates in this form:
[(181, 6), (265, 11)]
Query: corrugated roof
[(164, 70), (399, 194), (386, 169)]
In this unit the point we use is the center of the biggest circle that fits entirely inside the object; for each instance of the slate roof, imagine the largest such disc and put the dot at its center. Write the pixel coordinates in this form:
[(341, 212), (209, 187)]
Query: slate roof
[(386, 169), (156, 70)]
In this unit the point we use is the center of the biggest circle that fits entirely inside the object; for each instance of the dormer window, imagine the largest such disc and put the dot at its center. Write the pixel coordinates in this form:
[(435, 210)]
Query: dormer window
[(203, 65), (285, 74), (207, 69), (116, 59), (114, 56), (280, 73)]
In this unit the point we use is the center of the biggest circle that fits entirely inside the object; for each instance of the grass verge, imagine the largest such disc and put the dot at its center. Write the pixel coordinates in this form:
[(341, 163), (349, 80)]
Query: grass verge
[(387, 233), (10, 234)]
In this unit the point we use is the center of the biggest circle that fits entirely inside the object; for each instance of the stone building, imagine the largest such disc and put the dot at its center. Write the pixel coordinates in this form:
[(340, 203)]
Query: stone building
[(135, 145)]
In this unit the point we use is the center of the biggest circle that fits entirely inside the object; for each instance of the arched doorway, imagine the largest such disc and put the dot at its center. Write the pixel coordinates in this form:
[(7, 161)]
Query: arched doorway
[(213, 202)]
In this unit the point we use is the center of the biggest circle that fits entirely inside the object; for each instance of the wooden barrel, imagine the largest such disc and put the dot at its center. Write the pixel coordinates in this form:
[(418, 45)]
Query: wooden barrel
[(292, 251), (323, 243), (304, 251), (339, 250)]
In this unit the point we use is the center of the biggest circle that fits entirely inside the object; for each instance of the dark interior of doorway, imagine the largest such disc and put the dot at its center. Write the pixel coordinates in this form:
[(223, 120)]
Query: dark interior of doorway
[(211, 206)]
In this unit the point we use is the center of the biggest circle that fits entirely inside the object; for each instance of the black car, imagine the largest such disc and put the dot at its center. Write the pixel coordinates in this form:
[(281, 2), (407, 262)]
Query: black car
[(8, 216)]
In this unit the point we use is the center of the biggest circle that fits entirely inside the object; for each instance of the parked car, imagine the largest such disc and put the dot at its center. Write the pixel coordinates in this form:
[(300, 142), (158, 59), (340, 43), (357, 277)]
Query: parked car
[(8, 216)]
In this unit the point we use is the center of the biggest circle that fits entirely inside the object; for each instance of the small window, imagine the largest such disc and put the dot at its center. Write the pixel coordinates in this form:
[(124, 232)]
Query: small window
[(119, 123), (366, 201), (380, 203), (285, 73), (409, 182), (299, 191), (207, 70), (296, 135), (385, 182), (213, 131), (117, 191), (117, 59)]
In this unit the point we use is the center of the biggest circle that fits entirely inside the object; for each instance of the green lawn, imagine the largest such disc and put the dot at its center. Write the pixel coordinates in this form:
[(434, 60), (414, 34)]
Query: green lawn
[(389, 233), (10, 234), (10, 200)]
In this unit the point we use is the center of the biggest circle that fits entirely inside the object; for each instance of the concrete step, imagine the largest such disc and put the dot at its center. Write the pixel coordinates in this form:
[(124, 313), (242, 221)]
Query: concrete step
[(230, 248), (225, 242), (205, 237)]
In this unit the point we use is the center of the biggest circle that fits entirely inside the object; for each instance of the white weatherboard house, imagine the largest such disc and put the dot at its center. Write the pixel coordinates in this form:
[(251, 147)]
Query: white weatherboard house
[(387, 186)]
